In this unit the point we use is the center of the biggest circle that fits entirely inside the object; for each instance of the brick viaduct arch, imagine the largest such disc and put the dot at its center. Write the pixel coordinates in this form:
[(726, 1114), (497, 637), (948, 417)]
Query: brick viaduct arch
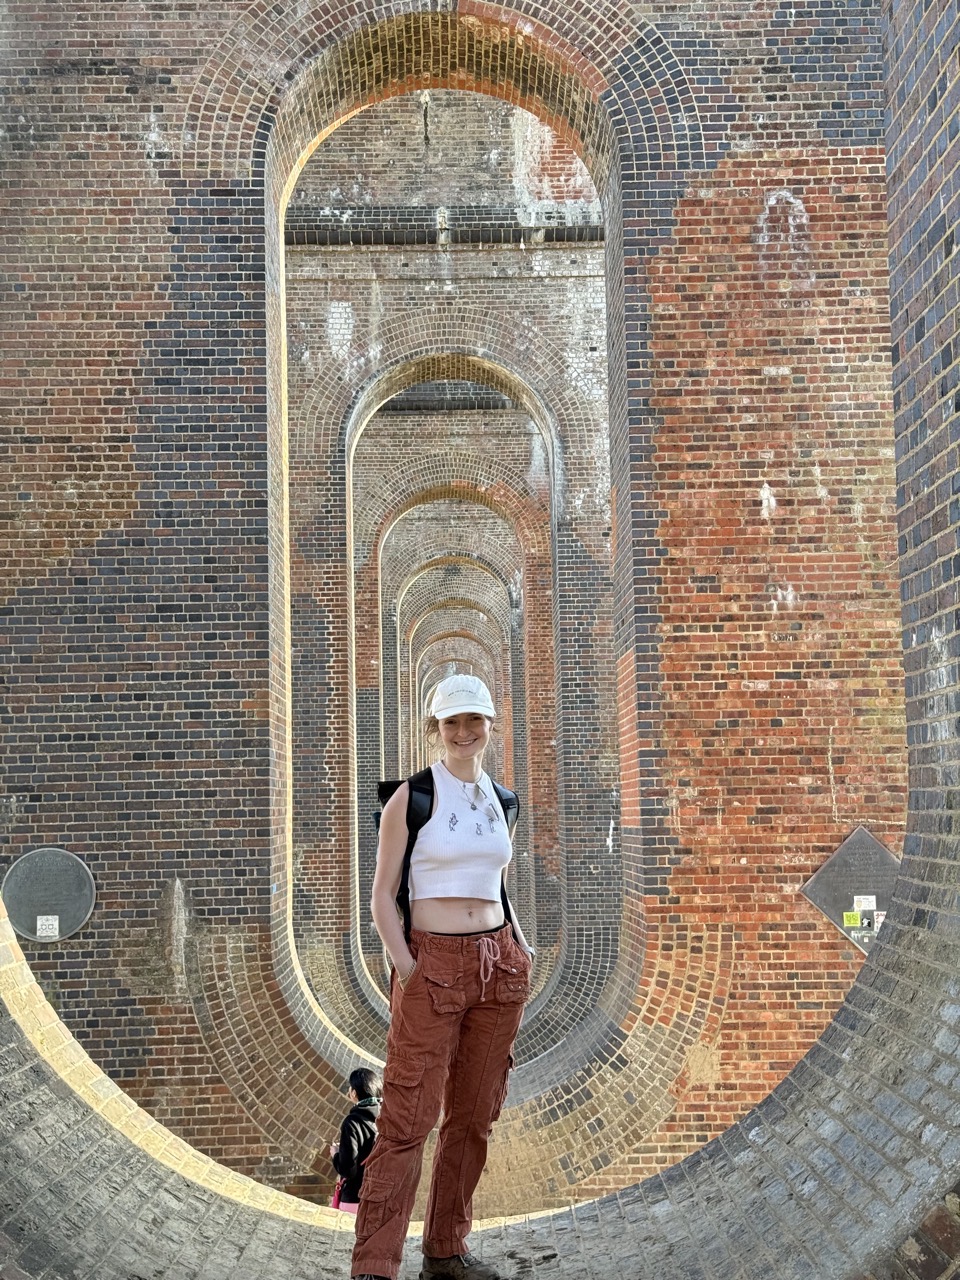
[(498, 558), (532, 374), (823, 1178)]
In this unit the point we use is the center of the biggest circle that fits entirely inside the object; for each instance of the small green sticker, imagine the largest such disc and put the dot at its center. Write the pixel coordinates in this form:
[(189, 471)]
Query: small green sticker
[(851, 919)]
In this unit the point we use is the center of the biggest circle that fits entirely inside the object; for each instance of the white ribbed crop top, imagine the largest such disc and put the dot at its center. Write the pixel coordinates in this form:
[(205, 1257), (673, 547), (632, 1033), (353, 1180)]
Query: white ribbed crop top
[(460, 852)]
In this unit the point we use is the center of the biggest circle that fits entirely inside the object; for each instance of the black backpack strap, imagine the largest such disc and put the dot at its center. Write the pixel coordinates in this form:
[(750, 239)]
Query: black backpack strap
[(510, 804), (419, 809)]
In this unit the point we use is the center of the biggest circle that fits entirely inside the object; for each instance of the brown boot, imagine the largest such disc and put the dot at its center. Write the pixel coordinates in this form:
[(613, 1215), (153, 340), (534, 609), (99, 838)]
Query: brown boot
[(459, 1267)]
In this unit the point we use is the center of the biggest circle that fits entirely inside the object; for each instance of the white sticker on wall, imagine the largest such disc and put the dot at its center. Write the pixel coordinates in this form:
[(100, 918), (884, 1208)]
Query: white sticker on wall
[(865, 902)]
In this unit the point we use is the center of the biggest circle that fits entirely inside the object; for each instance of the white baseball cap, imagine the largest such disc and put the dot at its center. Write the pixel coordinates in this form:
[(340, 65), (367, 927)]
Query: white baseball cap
[(459, 694)]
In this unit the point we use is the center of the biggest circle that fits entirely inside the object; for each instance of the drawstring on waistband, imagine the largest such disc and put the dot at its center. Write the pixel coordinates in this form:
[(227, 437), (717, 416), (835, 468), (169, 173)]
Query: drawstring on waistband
[(489, 955)]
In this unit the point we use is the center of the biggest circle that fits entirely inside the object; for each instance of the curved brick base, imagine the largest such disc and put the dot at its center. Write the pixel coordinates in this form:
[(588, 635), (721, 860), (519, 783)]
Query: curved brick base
[(810, 1184)]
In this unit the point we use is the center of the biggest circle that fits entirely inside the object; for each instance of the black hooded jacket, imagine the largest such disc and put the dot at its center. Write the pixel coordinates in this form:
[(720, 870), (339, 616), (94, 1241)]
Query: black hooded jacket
[(357, 1135)]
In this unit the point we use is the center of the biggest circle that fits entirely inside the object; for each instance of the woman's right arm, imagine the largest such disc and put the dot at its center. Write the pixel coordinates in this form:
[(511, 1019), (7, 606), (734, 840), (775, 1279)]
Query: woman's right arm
[(386, 882)]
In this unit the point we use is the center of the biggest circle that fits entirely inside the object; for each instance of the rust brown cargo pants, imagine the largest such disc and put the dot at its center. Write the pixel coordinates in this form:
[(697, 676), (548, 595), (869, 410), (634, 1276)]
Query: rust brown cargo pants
[(451, 1035)]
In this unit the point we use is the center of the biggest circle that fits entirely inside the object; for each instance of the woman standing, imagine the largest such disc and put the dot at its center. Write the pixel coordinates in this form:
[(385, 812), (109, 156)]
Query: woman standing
[(357, 1135), (457, 992)]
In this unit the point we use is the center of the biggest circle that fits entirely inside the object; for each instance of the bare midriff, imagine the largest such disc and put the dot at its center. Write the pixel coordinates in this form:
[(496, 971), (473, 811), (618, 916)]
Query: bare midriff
[(455, 915)]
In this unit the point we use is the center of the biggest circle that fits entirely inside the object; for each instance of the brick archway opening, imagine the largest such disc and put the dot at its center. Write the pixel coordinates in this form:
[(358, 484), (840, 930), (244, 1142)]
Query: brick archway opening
[(591, 945)]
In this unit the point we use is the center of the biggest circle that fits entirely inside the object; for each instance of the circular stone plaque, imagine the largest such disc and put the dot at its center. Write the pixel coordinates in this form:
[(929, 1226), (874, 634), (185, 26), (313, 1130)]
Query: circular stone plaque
[(49, 894)]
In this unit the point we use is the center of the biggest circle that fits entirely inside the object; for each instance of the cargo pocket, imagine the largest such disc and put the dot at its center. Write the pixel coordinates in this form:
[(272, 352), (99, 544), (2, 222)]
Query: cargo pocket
[(375, 1197), (402, 1091), (444, 983), (513, 982)]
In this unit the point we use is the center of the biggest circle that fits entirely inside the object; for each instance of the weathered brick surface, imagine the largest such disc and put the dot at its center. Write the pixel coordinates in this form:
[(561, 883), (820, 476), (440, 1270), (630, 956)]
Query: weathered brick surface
[(741, 608)]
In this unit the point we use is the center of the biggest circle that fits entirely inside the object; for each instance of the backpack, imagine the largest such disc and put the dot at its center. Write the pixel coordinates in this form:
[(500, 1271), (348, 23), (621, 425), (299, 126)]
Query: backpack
[(419, 809)]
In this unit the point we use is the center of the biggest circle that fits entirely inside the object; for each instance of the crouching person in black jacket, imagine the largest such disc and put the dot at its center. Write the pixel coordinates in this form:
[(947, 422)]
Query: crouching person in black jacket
[(357, 1136)]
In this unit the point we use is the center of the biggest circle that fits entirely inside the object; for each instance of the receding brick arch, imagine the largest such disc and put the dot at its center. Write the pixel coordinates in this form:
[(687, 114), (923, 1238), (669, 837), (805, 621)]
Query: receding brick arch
[(457, 342), (494, 495), (433, 590), (402, 576), (403, 559), (438, 620), (324, 473), (492, 485), (543, 62), (453, 342)]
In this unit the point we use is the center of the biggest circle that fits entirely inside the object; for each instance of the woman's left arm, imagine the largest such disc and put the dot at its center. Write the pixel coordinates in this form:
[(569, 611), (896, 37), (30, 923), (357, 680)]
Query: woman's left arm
[(516, 924)]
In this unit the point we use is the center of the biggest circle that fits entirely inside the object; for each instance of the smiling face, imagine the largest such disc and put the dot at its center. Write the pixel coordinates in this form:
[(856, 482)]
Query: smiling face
[(465, 736)]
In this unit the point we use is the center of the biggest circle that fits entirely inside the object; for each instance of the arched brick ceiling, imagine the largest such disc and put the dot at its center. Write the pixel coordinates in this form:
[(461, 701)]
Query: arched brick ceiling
[(455, 341), (401, 53), (440, 588), (462, 614), (490, 544), (466, 478)]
